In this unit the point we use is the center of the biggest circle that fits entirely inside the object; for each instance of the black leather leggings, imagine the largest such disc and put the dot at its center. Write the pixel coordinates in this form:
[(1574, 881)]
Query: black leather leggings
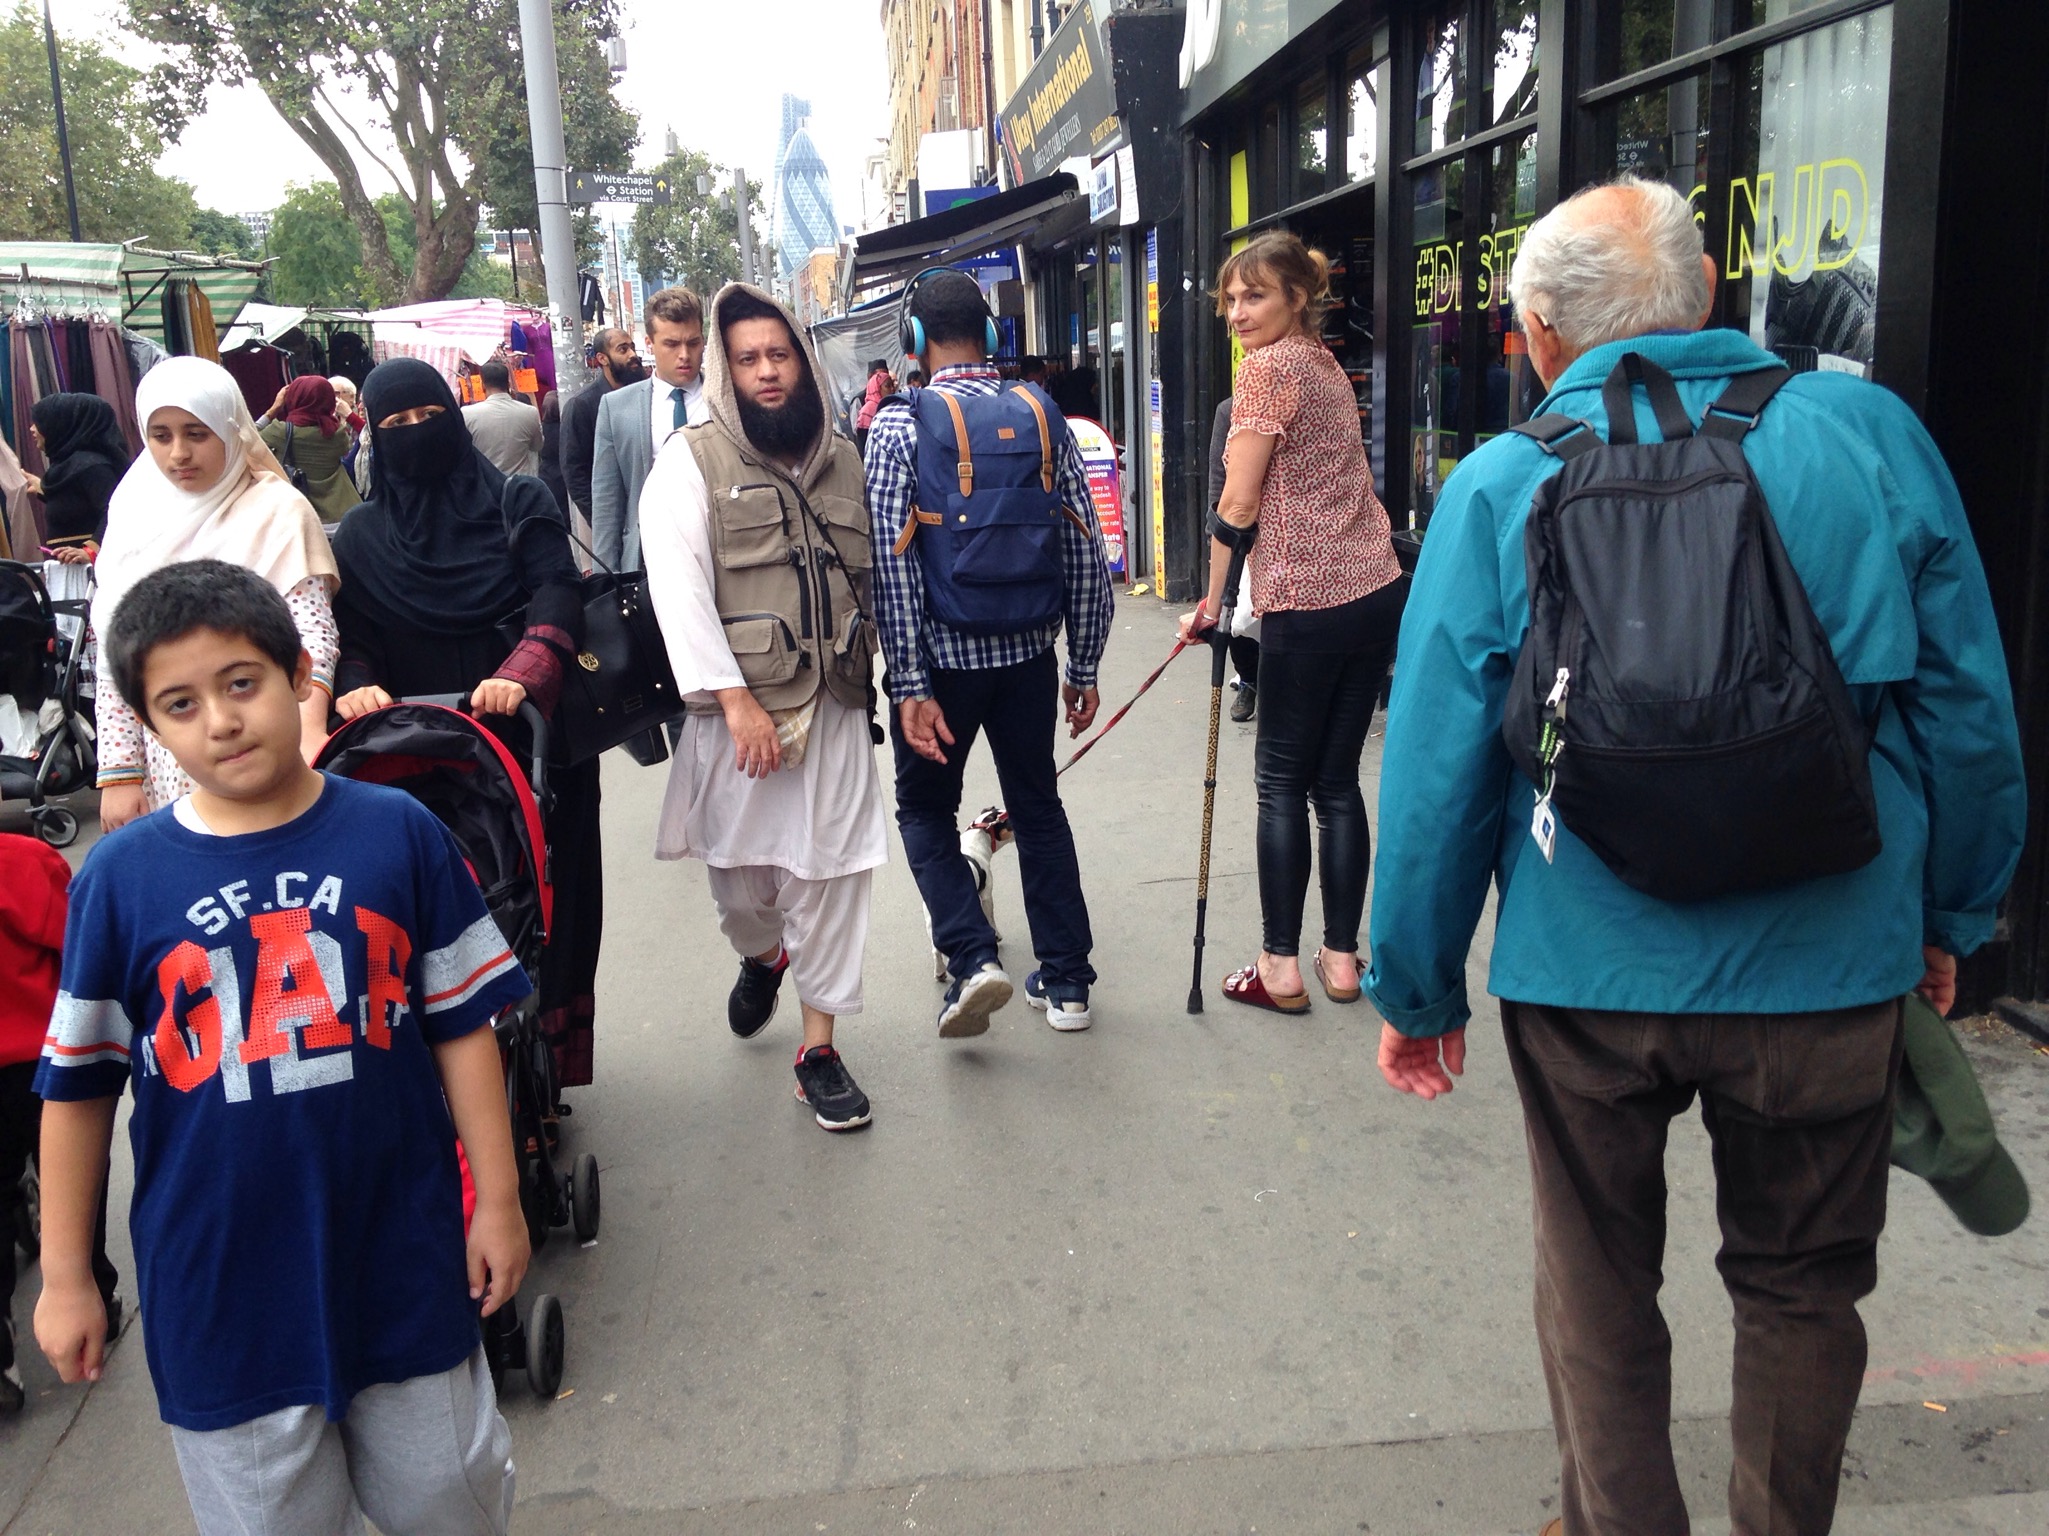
[(1314, 708)]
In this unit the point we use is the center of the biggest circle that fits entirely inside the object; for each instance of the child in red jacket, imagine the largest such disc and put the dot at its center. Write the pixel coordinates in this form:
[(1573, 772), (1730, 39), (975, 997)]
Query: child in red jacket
[(33, 881)]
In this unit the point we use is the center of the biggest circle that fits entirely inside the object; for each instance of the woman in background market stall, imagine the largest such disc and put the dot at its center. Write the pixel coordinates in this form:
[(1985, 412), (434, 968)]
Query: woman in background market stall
[(85, 457), (306, 434)]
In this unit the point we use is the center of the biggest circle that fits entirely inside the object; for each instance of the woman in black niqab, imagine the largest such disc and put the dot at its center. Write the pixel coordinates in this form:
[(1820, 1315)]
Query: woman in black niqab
[(439, 567)]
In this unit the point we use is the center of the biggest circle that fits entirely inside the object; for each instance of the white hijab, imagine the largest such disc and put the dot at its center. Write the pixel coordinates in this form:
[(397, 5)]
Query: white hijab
[(250, 517)]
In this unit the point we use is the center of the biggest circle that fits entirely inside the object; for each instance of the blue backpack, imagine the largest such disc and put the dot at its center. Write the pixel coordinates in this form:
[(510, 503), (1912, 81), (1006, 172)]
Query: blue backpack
[(985, 516)]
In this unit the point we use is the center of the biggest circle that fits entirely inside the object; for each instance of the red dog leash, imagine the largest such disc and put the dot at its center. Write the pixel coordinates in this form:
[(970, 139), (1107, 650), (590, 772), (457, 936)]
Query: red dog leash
[(1082, 751)]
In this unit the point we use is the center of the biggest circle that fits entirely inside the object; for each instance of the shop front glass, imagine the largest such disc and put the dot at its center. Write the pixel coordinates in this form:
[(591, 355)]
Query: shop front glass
[(1469, 374), (1794, 222)]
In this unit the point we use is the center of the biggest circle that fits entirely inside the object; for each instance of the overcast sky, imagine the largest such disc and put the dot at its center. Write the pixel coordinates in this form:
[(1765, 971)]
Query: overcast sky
[(714, 71)]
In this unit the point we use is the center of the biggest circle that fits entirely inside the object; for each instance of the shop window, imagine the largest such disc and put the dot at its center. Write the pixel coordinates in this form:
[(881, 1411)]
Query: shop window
[(1508, 388), (1756, 13), (1441, 78), (1661, 135), (1512, 74), (1312, 140), (1434, 396), (1362, 126), (1806, 205), (1639, 34)]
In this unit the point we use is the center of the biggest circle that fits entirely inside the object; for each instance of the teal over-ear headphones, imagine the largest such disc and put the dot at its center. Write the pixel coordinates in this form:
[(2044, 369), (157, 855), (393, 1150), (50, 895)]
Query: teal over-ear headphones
[(910, 330)]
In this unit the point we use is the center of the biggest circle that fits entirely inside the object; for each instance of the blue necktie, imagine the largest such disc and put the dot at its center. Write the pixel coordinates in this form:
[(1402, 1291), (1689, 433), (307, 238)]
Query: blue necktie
[(681, 411)]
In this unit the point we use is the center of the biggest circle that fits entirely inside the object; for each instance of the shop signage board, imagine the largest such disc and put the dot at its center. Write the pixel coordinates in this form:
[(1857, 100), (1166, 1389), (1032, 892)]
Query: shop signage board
[(1067, 106), (1106, 486), (1103, 191), (605, 187)]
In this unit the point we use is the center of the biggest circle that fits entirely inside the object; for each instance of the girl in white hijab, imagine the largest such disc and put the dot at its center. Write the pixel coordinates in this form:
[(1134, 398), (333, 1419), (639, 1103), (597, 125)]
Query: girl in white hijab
[(205, 488)]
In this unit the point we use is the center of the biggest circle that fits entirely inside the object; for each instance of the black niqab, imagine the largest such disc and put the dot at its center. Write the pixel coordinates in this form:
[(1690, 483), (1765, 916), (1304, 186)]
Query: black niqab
[(433, 546)]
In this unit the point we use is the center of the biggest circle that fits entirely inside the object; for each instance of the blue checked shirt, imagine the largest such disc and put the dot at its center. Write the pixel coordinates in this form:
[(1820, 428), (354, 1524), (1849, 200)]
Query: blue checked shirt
[(913, 642)]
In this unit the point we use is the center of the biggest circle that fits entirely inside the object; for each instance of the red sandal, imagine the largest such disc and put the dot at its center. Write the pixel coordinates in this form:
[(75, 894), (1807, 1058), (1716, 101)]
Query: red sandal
[(1246, 987)]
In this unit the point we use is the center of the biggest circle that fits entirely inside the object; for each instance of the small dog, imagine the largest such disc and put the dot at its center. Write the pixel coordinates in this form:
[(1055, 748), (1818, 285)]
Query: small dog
[(979, 844)]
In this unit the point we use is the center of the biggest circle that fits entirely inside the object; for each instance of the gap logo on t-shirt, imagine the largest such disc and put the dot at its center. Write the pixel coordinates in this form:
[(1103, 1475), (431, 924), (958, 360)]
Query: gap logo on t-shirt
[(274, 1000)]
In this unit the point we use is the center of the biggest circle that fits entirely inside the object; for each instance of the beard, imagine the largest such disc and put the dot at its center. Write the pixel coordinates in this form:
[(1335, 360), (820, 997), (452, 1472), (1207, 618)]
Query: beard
[(787, 431)]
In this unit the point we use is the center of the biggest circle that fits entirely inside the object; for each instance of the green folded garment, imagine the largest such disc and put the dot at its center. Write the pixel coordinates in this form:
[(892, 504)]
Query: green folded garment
[(1942, 1128)]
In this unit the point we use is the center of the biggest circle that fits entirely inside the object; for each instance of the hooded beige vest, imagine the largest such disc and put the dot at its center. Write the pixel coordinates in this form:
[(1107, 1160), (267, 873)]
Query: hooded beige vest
[(794, 570)]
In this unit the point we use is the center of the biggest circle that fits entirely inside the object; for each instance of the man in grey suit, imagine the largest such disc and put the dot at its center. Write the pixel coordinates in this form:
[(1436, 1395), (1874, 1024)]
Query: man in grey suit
[(635, 421)]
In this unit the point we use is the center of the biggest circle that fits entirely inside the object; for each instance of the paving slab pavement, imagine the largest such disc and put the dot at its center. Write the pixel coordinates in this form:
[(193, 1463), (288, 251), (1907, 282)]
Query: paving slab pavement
[(1207, 1272)]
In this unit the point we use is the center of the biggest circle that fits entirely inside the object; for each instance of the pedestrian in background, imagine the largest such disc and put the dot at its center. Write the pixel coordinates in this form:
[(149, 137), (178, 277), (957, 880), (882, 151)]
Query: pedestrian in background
[(504, 428), (634, 422), (1298, 495), (206, 487), (431, 567), (84, 458), (760, 564), (616, 365), (1779, 1007), (873, 393), (1244, 622), (979, 673), (307, 435), (551, 450)]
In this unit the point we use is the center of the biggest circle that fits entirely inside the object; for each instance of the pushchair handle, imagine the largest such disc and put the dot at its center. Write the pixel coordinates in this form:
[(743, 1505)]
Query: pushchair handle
[(536, 724)]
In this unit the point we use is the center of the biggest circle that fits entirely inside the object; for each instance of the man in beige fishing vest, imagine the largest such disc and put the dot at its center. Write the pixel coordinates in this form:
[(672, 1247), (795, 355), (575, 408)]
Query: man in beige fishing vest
[(754, 529)]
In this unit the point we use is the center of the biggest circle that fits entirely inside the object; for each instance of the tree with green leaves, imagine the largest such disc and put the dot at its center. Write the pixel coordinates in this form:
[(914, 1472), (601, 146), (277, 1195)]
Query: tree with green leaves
[(447, 82), (697, 236), (115, 142), (318, 255), (221, 234)]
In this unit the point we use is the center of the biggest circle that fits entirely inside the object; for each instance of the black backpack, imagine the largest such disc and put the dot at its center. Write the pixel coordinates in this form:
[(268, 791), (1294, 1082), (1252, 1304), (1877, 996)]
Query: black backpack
[(1676, 702)]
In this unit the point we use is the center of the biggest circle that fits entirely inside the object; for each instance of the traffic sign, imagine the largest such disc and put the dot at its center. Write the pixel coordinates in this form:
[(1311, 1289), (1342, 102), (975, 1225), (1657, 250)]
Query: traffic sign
[(605, 187)]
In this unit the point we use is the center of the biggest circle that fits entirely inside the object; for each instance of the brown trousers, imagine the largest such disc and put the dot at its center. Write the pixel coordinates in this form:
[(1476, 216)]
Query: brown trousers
[(1799, 1110)]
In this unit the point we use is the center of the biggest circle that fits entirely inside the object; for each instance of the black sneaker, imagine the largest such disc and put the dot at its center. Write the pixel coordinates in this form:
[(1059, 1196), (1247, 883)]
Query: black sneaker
[(971, 999), (752, 1002), (1246, 704), (1066, 1006), (823, 1082)]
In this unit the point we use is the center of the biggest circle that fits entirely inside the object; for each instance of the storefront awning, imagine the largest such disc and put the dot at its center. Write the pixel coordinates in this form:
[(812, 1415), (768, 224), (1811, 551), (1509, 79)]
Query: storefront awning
[(891, 255)]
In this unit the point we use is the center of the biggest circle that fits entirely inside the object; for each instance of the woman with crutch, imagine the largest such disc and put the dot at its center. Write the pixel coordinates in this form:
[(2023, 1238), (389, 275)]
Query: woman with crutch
[(1298, 499)]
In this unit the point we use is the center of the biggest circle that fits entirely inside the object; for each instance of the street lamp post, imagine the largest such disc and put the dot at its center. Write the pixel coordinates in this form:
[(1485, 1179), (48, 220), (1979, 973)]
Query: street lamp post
[(63, 138), (746, 225), (551, 189)]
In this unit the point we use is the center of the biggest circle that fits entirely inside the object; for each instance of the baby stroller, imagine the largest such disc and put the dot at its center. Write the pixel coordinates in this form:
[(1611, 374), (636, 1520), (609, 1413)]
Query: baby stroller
[(46, 742), (466, 776)]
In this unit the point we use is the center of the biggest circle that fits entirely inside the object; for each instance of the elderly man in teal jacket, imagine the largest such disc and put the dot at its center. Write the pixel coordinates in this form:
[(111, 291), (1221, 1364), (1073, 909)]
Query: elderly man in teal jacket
[(1778, 1008)]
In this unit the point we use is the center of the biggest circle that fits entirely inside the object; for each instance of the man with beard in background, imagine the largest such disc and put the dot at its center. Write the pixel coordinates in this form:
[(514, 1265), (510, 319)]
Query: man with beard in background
[(618, 364), (754, 531)]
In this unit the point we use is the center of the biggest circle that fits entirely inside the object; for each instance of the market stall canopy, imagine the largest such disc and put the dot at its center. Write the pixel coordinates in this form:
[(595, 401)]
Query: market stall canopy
[(477, 326), (127, 282), (900, 252)]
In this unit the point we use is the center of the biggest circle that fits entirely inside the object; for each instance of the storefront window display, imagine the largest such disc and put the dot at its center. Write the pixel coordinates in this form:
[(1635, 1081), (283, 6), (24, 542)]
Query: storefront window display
[(1794, 223), (1439, 223)]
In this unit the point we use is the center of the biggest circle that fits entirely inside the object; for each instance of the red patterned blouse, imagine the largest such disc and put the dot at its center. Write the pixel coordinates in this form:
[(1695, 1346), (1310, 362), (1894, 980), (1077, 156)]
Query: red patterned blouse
[(1323, 534)]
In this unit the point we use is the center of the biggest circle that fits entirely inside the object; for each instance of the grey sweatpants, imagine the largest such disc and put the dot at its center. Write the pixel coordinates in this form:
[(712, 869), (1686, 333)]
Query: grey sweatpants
[(425, 1457)]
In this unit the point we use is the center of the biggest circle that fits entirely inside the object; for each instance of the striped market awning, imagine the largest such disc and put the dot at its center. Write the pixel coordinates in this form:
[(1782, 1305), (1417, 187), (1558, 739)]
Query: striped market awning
[(127, 282)]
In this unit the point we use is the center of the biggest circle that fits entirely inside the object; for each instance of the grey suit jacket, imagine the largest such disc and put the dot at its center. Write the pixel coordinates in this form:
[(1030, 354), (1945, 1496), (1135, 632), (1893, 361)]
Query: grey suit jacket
[(622, 452)]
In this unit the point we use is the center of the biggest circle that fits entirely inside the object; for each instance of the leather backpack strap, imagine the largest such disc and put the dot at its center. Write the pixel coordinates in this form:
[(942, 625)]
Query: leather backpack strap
[(1045, 434), (965, 468), (903, 540)]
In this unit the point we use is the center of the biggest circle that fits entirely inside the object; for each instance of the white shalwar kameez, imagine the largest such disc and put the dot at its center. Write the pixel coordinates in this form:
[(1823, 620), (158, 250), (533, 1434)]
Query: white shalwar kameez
[(790, 855)]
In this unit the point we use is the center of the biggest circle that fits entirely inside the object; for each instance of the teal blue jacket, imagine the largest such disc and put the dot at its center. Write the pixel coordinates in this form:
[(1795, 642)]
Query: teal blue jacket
[(1873, 524)]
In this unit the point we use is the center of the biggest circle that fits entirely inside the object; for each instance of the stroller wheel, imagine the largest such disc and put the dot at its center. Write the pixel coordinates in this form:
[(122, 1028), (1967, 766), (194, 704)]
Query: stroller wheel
[(583, 1197), (58, 828), (544, 1346)]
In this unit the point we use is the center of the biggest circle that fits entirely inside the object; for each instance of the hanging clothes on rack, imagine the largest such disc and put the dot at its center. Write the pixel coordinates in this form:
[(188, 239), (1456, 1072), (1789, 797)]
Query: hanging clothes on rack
[(260, 371), (205, 341), (114, 377)]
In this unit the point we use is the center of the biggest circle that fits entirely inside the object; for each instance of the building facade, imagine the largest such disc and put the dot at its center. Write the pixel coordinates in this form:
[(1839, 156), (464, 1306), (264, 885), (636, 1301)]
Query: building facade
[(939, 83)]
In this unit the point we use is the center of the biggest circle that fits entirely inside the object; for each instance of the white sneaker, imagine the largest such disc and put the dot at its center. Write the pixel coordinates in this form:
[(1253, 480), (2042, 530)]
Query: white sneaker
[(1067, 1013), (971, 1000)]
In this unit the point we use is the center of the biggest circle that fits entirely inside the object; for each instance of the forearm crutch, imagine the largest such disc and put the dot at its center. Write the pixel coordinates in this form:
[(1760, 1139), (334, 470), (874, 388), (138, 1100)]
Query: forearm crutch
[(1219, 638)]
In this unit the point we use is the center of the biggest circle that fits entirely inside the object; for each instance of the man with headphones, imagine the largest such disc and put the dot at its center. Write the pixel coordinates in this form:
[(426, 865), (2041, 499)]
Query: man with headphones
[(985, 548)]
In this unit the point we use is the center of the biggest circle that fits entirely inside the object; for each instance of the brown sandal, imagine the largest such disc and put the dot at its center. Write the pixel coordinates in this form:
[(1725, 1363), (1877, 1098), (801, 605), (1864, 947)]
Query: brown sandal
[(1329, 991), (1246, 987)]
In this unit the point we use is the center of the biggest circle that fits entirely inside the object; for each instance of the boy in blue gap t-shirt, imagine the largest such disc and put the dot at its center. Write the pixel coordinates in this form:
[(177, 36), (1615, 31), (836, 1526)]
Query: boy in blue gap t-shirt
[(296, 974)]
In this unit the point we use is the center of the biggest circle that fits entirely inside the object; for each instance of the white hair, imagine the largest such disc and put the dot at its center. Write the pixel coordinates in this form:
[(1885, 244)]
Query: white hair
[(1600, 278)]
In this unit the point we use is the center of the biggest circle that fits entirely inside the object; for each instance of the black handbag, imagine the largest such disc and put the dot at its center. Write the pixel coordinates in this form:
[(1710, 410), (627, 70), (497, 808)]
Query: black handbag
[(290, 465), (619, 687)]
